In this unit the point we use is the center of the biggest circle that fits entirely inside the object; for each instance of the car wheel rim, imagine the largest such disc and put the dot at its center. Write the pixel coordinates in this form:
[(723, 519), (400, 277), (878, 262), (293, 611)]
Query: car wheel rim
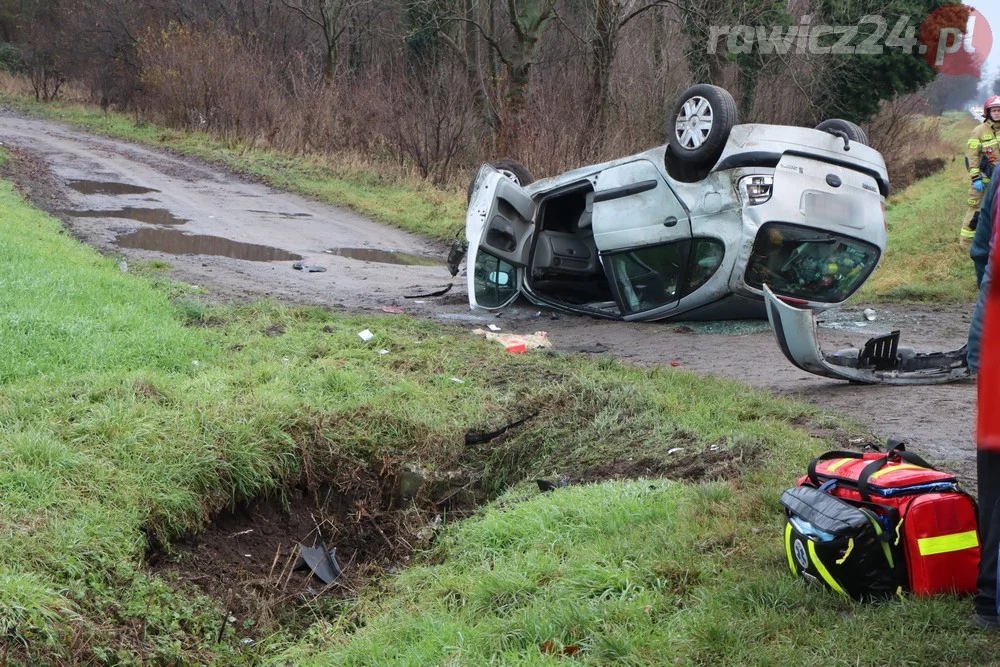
[(511, 175), (694, 123)]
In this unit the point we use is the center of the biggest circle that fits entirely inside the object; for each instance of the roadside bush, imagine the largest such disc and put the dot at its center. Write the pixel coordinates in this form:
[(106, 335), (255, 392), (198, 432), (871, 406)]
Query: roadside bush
[(907, 137), (431, 119), (10, 59)]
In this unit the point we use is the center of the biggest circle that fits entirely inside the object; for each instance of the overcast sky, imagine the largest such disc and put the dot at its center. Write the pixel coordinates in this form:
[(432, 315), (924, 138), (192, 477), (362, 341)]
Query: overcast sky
[(991, 10)]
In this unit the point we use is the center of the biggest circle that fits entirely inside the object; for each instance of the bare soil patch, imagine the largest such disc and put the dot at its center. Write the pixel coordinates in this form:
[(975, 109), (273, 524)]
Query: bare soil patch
[(375, 516), (715, 463)]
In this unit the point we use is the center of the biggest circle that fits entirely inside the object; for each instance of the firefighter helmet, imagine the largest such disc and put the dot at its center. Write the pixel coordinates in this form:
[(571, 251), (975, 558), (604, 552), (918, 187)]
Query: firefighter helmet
[(993, 102)]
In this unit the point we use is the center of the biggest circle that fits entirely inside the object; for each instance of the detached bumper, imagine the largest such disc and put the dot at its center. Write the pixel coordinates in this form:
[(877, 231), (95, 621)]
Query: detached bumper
[(881, 361)]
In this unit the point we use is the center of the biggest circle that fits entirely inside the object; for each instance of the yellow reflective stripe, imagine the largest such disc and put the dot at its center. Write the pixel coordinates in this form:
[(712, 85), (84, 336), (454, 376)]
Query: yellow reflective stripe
[(974, 143), (974, 172), (901, 466), (928, 546), (967, 234), (788, 548), (839, 462), (850, 548), (986, 137), (899, 527), (831, 582)]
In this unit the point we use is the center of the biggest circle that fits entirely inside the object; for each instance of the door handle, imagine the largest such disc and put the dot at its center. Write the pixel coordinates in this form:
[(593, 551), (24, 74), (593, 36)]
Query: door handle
[(670, 222)]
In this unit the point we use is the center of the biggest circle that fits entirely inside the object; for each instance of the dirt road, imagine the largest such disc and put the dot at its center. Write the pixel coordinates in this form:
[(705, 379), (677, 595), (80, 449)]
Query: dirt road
[(241, 239)]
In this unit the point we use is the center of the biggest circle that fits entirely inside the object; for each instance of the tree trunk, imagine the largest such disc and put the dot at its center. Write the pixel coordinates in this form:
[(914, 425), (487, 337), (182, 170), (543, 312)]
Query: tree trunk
[(603, 45)]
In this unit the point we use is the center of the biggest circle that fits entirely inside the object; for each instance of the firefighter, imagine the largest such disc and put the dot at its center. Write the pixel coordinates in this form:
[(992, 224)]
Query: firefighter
[(984, 256), (981, 157)]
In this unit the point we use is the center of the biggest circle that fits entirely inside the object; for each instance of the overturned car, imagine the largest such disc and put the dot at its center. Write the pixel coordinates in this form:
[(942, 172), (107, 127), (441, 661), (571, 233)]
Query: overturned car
[(692, 229), (882, 360)]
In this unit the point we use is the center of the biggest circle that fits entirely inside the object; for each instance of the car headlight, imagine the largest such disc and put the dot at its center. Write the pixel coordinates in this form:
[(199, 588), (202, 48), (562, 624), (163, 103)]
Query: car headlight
[(756, 190)]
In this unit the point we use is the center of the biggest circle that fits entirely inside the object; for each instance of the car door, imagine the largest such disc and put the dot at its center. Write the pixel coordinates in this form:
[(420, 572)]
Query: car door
[(643, 233), (498, 227)]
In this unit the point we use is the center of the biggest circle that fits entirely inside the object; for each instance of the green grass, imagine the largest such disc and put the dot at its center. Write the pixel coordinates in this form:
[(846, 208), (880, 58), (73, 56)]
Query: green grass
[(924, 261), (408, 203)]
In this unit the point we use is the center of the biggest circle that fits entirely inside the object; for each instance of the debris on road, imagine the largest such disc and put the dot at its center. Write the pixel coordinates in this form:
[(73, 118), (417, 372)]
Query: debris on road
[(440, 292), (493, 327), (308, 268), (869, 314), (366, 335), (392, 310), (517, 343)]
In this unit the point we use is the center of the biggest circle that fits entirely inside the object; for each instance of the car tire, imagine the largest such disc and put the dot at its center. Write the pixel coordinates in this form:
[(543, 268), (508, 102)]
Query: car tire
[(512, 169), (853, 132), (700, 124)]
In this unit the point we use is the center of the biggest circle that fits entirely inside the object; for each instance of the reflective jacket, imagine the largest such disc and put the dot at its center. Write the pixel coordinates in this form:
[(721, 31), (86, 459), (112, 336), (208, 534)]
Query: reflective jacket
[(983, 150)]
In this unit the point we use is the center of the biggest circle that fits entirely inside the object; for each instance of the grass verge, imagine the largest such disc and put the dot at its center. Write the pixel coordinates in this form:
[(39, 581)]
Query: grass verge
[(110, 433)]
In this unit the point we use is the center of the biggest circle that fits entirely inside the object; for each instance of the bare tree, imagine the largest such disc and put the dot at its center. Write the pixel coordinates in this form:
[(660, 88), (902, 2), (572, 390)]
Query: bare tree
[(331, 17), (528, 21)]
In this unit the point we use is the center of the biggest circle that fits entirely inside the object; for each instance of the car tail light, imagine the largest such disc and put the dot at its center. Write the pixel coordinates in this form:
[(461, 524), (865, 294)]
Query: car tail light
[(756, 189)]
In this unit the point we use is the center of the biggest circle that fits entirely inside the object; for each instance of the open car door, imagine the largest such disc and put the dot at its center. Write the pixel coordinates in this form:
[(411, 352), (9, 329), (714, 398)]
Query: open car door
[(881, 361), (643, 234), (498, 227)]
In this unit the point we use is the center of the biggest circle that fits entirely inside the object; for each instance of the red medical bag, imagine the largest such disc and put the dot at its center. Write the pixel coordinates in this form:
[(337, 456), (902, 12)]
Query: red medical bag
[(925, 513)]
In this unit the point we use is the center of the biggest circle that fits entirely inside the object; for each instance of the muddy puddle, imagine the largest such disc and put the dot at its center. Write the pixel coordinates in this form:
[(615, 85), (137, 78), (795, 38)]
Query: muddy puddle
[(108, 188), (152, 216), (177, 243), (384, 256)]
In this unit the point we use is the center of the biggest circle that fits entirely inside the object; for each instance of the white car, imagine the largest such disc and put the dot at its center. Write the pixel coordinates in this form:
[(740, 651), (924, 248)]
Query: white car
[(692, 229)]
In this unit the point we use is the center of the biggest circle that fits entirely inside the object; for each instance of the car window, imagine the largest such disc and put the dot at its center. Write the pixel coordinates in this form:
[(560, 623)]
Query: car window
[(809, 264), (706, 258), (648, 278), (495, 280)]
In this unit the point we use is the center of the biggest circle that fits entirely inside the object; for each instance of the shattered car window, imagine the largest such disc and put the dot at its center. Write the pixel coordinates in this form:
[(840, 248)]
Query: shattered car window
[(809, 264), (647, 278), (495, 280)]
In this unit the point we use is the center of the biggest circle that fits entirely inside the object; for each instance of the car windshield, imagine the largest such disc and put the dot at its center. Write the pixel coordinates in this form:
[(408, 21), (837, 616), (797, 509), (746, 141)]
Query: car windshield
[(809, 264)]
